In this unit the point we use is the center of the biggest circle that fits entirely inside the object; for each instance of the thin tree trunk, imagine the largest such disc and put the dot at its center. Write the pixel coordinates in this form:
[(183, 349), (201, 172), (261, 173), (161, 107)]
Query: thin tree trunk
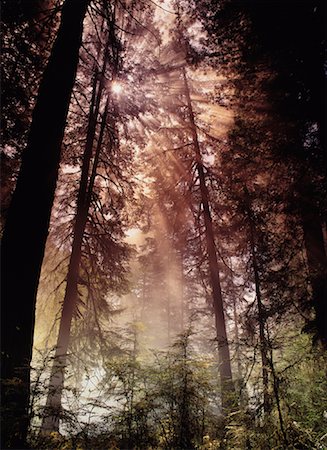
[(236, 331), (130, 395), (237, 340), (276, 393), (28, 219), (225, 371), (261, 313), (51, 420), (239, 383)]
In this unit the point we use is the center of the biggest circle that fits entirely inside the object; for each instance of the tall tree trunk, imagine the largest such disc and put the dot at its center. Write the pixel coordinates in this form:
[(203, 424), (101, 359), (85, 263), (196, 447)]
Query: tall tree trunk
[(53, 405), (28, 219), (261, 313), (225, 371)]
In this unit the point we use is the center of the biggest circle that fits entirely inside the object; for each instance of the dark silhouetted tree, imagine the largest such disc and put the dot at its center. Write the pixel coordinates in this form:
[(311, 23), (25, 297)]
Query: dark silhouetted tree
[(23, 240)]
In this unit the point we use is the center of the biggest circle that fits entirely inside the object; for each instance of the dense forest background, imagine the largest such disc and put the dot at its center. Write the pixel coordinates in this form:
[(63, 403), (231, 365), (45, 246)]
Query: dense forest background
[(163, 255)]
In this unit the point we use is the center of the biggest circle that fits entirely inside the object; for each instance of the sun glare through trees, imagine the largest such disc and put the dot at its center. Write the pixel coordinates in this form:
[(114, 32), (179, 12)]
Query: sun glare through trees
[(163, 232), (116, 87)]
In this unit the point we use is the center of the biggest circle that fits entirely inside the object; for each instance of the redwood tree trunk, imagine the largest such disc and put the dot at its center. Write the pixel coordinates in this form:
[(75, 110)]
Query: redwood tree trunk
[(225, 371), (28, 219)]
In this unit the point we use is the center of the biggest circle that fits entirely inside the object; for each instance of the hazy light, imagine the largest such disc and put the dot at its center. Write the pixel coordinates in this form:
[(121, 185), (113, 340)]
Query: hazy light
[(116, 87)]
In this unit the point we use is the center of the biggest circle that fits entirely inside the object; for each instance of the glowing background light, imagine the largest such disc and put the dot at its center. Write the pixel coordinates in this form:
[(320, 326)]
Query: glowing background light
[(116, 87)]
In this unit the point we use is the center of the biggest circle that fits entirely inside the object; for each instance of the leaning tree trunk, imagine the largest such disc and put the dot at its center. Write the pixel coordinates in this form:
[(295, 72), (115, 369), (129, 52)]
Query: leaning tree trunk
[(28, 219), (53, 404), (225, 370)]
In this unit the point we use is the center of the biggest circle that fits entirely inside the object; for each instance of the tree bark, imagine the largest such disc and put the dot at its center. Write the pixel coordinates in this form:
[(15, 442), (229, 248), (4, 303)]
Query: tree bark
[(53, 405), (28, 219), (225, 371)]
